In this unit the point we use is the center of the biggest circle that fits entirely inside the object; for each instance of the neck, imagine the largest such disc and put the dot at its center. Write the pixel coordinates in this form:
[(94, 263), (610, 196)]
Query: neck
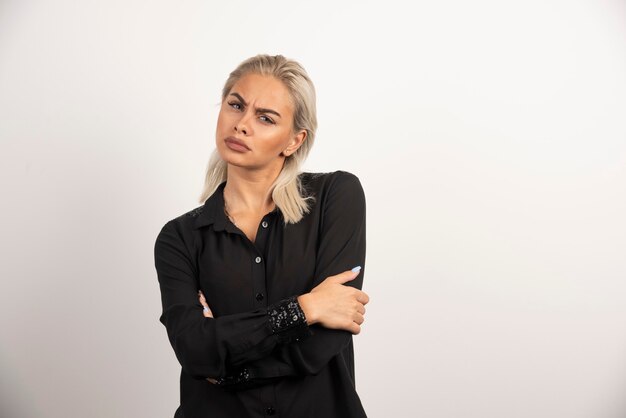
[(248, 191)]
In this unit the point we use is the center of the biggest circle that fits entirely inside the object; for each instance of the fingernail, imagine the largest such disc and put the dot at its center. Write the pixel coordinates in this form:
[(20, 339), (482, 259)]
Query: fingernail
[(206, 309), (356, 269)]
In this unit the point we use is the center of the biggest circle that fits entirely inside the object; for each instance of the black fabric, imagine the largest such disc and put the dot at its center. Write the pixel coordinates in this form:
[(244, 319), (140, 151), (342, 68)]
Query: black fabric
[(264, 364)]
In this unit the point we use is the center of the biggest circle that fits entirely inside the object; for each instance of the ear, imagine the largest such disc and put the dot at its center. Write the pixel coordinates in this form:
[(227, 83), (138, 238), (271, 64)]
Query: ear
[(295, 143)]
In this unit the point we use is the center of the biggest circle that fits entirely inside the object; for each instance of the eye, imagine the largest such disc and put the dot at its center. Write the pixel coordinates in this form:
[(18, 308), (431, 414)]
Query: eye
[(268, 120), (231, 104)]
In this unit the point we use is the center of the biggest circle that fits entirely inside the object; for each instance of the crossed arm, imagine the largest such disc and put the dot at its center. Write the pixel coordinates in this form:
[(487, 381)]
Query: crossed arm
[(253, 345), (345, 312)]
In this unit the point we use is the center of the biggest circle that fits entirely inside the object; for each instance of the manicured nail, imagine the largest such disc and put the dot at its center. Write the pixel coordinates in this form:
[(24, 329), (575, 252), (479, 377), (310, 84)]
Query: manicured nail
[(356, 269), (206, 309)]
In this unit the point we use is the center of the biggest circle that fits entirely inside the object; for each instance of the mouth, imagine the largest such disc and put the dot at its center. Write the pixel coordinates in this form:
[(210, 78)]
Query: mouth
[(236, 144)]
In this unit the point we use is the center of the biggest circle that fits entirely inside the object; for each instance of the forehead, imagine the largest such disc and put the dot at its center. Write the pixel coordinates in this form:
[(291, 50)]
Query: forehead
[(263, 91)]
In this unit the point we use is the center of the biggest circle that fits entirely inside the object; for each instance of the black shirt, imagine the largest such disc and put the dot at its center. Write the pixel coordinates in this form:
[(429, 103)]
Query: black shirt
[(266, 359)]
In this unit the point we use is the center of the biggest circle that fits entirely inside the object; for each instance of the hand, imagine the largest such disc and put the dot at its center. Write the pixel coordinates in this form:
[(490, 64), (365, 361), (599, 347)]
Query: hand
[(207, 311), (208, 314), (335, 305)]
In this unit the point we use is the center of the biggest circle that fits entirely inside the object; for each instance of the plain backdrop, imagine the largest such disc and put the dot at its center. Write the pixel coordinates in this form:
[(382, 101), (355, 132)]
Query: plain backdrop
[(489, 137)]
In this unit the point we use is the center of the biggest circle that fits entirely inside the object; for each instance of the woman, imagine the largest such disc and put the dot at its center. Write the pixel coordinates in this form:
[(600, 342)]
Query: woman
[(261, 285)]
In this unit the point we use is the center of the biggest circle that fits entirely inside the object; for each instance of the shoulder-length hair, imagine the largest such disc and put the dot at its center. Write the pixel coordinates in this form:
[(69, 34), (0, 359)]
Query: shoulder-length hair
[(287, 190)]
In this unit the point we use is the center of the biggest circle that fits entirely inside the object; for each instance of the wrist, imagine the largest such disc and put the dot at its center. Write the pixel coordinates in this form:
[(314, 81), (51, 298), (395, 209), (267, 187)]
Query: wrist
[(306, 304)]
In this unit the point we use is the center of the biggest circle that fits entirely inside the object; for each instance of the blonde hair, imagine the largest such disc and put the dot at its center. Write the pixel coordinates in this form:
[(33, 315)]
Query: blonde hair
[(287, 188)]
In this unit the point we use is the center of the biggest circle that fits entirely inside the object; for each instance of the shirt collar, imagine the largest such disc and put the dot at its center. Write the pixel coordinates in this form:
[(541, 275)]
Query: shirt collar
[(213, 212)]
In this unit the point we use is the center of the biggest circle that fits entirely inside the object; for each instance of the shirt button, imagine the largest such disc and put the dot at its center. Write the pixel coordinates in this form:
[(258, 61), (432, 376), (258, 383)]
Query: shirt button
[(264, 224), (270, 410), (258, 260), (259, 297)]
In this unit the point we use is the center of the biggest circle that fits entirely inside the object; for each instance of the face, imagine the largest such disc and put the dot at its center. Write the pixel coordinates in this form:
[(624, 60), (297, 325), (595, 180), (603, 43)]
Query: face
[(258, 113)]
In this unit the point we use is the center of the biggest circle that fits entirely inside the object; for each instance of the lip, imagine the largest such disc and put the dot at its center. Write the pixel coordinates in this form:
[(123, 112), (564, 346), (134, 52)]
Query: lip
[(236, 144)]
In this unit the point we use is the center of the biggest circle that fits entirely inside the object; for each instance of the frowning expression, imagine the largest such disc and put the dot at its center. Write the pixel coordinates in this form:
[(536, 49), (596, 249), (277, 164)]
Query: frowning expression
[(258, 114)]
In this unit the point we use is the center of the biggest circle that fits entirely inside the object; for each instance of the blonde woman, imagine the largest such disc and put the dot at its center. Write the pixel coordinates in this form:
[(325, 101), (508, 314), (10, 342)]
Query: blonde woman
[(261, 284)]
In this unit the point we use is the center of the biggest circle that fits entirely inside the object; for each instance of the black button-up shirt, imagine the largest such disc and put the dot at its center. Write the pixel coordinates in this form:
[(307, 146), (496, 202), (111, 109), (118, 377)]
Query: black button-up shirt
[(265, 358)]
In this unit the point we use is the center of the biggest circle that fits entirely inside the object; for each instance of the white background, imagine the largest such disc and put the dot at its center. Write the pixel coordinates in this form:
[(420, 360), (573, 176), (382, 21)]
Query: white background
[(490, 139)]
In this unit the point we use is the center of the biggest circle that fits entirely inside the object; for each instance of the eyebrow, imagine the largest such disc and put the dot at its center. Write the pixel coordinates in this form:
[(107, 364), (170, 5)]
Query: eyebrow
[(258, 109)]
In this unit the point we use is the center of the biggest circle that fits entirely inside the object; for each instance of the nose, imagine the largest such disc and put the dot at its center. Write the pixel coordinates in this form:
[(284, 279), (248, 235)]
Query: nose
[(241, 125), (243, 130)]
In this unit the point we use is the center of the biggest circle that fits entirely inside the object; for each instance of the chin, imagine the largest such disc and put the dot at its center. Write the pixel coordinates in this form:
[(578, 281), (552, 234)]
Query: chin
[(232, 158)]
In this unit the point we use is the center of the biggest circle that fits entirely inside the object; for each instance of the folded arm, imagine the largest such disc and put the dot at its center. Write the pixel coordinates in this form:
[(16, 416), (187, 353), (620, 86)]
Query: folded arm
[(216, 347), (341, 247)]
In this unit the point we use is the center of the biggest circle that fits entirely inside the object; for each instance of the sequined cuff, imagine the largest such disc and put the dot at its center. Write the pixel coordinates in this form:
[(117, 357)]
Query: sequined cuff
[(287, 320), (241, 377)]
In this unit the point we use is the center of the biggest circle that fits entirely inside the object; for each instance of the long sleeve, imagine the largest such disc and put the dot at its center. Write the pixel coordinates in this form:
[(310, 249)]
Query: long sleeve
[(341, 247), (215, 347)]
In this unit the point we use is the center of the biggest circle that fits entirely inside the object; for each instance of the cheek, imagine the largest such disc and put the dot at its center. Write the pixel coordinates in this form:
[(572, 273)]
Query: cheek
[(221, 128), (224, 118), (220, 120), (274, 143)]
